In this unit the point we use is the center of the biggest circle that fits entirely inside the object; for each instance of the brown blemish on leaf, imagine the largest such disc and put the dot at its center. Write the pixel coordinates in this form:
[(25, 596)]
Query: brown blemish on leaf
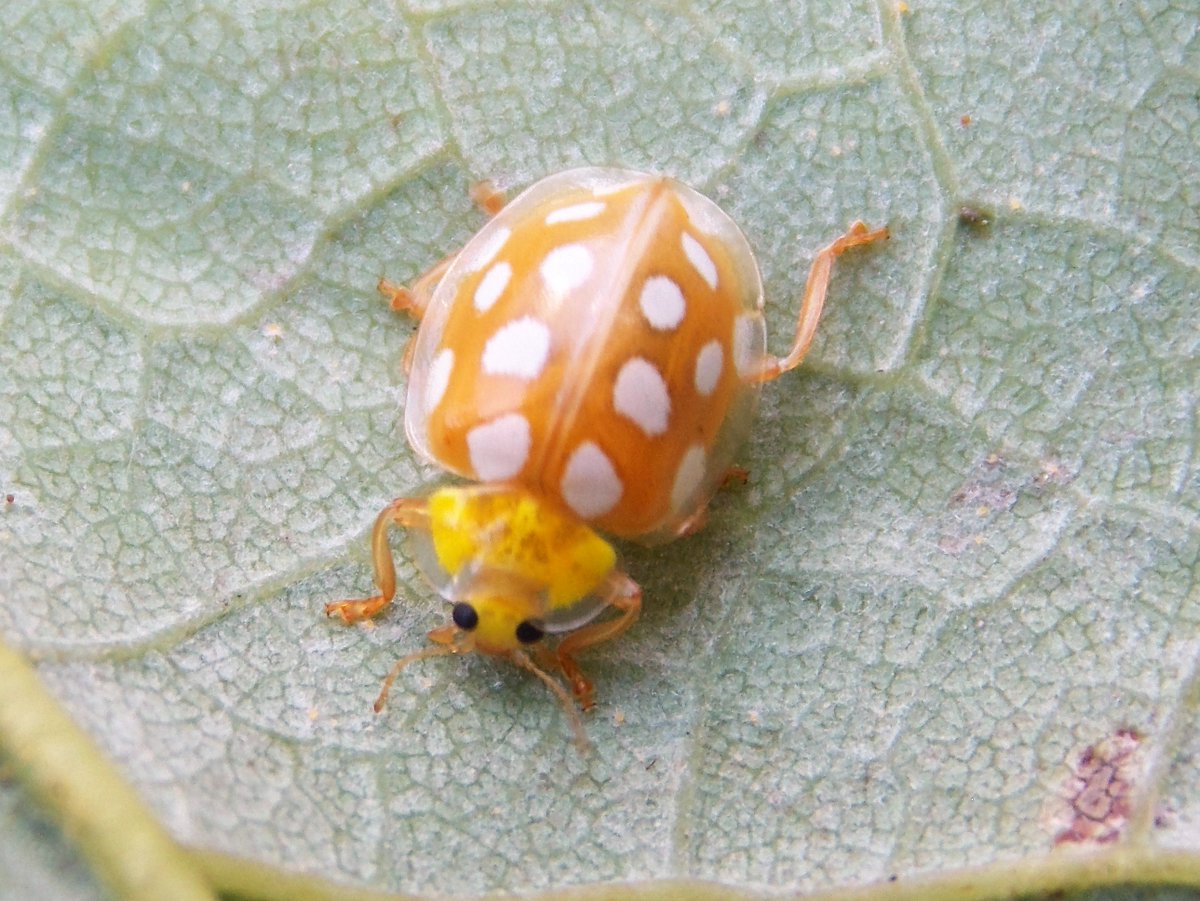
[(993, 487), (987, 491), (1096, 799)]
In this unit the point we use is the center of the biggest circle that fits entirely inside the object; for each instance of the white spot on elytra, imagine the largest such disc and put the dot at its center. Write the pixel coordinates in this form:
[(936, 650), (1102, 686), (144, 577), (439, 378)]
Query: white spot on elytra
[(491, 286), (640, 394), (490, 247), (662, 302), (590, 484), (566, 267), (499, 448), (688, 477), (747, 344), (605, 190), (708, 367), (438, 378), (519, 349), (576, 212), (700, 259)]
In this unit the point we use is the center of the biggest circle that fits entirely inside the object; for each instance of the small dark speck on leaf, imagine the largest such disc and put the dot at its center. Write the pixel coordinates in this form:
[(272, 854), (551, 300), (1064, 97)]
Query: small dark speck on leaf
[(1053, 472), (977, 218)]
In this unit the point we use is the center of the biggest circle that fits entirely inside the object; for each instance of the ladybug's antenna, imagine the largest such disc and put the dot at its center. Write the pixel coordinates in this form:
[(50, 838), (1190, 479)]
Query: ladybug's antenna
[(581, 740), (432, 651)]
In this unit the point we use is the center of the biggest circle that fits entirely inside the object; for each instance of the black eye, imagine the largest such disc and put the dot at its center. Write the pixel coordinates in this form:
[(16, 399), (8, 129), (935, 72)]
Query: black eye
[(528, 632), (464, 616)]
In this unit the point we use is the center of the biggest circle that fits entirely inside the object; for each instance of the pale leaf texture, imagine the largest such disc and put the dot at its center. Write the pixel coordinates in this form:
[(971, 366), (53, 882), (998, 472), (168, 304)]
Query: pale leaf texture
[(963, 571)]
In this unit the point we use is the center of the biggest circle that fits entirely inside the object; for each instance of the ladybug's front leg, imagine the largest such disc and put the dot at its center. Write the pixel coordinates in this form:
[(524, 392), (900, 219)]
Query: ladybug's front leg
[(407, 512), (623, 594)]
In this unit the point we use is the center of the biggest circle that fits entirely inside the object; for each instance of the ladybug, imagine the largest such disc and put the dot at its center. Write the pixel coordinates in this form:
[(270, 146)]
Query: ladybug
[(591, 361)]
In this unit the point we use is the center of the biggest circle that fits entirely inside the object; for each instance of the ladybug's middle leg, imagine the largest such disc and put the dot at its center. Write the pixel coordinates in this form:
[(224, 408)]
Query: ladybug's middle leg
[(414, 300), (488, 197)]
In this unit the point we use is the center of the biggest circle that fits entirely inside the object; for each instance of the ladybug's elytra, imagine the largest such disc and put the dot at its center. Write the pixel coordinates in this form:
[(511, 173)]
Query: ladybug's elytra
[(591, 360)]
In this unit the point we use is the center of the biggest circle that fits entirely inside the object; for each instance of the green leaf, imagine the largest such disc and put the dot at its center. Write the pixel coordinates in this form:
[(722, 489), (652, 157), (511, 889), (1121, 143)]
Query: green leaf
[(34, 857), (126, 846), (960, 586)]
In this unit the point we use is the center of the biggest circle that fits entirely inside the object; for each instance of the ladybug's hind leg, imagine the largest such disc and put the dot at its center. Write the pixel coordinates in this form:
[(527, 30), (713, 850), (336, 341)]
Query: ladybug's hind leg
[(814, 297)]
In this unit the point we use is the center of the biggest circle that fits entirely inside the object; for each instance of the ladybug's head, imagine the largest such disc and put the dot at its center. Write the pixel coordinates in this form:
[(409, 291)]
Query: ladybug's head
[(498, 613), (494, 613)]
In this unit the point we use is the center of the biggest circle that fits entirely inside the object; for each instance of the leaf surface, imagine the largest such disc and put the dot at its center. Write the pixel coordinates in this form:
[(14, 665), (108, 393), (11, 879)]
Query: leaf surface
[(964, 569)]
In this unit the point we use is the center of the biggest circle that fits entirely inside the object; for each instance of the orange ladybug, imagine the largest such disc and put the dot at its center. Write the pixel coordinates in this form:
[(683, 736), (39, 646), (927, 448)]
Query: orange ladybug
[(591, 360)]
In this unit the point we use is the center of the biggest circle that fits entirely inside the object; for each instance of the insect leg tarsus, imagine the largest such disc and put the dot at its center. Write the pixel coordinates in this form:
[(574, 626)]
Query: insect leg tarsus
[(623, 595), (404, 512)]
